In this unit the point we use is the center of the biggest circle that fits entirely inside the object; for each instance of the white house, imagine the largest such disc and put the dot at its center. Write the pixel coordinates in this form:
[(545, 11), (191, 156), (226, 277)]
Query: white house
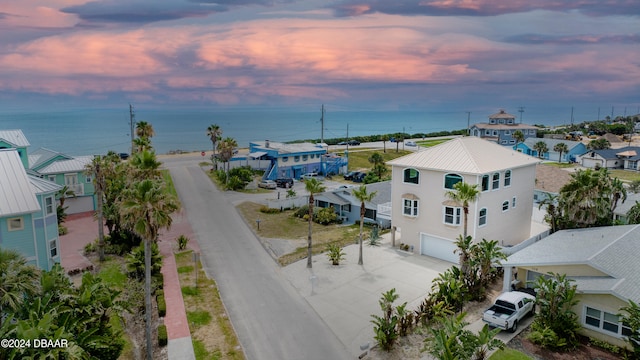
[(430, 222)]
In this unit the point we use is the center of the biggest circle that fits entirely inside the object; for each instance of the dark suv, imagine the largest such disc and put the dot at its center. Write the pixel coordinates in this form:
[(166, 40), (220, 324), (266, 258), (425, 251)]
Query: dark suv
[(284, 183)]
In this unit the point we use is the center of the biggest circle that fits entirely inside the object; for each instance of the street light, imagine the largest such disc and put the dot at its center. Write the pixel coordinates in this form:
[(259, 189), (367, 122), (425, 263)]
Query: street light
[(258, 222)]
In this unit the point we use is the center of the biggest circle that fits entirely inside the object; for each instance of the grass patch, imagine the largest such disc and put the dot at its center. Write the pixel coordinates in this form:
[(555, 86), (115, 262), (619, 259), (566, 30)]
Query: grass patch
[(430, 143), (561, 165), (171, 189), (359, 159), (185, 269), (284, 225), (211, 331), (624, 175), (509, 354), (198, 318), (112, 273)]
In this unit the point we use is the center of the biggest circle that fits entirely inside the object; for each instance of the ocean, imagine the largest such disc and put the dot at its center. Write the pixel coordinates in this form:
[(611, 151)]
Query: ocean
[(96, 131)]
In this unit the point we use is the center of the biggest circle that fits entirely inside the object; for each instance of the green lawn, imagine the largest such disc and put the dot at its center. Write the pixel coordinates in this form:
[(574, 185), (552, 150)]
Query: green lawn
[(359, 158), (430, 143), (509, 354), (625, 175), (561, 165)]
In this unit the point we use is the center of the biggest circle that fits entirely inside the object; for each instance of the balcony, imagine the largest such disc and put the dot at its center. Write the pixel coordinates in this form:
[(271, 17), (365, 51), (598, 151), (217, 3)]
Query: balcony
[(78, 189), (384, 211)]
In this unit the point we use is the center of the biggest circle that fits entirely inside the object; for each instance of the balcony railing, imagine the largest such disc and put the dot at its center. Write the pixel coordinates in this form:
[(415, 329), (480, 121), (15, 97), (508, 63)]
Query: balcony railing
[(384, 211), (78, 189)]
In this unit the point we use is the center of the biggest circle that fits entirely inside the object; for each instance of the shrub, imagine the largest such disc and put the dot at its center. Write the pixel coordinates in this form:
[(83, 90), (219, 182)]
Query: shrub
[(335, 254), (182, 242), (157, 281), (385, 326), (62, 230), (555, 325), (235, 183), (301, 211), (135, 261), (163, 338), (325, 216), (268, 210), (90, 248), (162, 305)]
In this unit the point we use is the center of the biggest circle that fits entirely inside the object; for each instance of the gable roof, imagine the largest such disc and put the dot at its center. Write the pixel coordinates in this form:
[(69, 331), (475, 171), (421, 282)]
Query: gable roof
[(16, 194), (611, 249), (468, 155), (75, 164), (42, 186), (501, 114), (610, 154), (14, 137), (41, 156), (530, 142)]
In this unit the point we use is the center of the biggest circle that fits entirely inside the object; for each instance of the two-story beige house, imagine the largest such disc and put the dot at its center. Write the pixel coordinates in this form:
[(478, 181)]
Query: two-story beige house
[(430, 222)]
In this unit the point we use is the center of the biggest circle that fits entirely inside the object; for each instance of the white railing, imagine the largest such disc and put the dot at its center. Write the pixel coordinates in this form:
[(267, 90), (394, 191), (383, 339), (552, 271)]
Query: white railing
[(78, 189), (384, 211)]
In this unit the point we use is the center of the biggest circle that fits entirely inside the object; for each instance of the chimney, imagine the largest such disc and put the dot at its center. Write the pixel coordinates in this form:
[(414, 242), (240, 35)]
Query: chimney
[(266, 143)]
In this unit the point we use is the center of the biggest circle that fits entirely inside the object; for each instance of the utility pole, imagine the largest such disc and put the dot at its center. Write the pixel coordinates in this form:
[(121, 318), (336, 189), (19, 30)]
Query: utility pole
[(598, 113), (468, 123), (322, 124), (521, 110), (347, 136), (132, 125), (572, 116)]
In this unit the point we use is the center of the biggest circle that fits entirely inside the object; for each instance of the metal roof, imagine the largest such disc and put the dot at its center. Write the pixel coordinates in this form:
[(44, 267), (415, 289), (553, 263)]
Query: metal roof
[(611, 249), (14, 137), (40, 156), (467, 155), (283, 148), (16, 194), (76, 164), (551, 143), (42, 186)]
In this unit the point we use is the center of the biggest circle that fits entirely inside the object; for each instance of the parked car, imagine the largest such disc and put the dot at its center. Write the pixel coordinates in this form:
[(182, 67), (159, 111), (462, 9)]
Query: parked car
[(353, 142), (123, 156), (342, 143), (349, 175), (309, 175), (509, 308), (284, 183), (359, 177), (410, 143), (267, 184)]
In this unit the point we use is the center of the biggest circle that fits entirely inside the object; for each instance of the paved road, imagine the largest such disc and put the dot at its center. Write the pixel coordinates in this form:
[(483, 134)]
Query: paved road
[(271, 319)]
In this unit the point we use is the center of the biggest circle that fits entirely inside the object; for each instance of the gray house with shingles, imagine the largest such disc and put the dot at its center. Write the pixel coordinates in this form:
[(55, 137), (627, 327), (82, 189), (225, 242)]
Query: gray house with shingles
[(623, 158), (348, 207), (604, 264)]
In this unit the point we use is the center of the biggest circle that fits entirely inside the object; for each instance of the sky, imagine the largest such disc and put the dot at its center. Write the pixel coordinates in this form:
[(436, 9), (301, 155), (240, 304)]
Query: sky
[(351, 54)]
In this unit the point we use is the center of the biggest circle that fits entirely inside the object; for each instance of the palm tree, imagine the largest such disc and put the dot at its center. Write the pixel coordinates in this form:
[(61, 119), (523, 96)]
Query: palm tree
[(378, 164), (464, 193), (18, 280), (144, 130), (145, 165), (541, 148), (99, 181), (214, 133), (599, 144), (362, 195), (560, 148), (384, 139), (146, 208), (487, 253), (142, 144), (519, 136), (553, 215), (633, 215), (226, 147), (313, 186)]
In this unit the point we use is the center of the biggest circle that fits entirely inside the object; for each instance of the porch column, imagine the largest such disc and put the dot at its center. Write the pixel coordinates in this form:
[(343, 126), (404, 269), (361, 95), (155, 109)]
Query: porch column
[(393, 236), (506, 280)]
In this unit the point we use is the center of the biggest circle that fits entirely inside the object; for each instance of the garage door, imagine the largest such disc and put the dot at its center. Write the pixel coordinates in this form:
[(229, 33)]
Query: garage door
[(437, 247), (79, 204), (591, 163)]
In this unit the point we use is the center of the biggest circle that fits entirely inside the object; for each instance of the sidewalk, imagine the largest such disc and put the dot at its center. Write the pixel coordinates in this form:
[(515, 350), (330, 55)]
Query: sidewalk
[(83, 230)]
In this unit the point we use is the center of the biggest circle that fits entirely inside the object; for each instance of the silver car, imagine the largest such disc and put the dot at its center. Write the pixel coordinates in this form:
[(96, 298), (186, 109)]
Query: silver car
[(267, 184)]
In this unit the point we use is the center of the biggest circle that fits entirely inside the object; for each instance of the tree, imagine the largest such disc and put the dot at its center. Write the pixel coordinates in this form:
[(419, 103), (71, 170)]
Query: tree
[(599, 144), (464, 193), (384, 139), (541, 148), (226, 148), (145, 165), (378, 164), (633, 215), (555, 324), (486, 253), (142, 144), (215, 134), (144, 130), (146, 208), (554, 214), (519, 136), (313, 186), (364, 197), (631, 318), (451, 341), (560, 148), (18, 280)]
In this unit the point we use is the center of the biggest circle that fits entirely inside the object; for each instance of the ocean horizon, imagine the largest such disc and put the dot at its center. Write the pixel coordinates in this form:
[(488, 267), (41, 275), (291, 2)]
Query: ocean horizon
[(96, 131)]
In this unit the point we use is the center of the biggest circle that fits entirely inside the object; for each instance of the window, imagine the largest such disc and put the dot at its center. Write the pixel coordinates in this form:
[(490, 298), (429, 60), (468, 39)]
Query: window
[(52, 178), (605, 321), (53, 248), (305, 157), (495, 132), (504, 142), (15, 224), (492, 121), (507, 178), (482, 217), (509, 121), (285, 159), (505, 206), (48, 205), (452, 215), (411, 176), (312, 156), (410, 207), (88, 179), (495, 181), (487, 132), (507, 132), (512, 142), (485, 182), (451, 179), (296, 158), (513, 202)]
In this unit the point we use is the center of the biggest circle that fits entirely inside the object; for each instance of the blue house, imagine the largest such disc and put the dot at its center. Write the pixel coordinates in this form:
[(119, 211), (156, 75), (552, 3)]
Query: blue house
[(28, 221), (294, 160), (576, 148), (67, 171), (501, 128)]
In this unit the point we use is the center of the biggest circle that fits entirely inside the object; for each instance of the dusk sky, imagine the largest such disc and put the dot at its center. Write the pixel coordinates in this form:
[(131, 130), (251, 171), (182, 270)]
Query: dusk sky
[(352, 54)]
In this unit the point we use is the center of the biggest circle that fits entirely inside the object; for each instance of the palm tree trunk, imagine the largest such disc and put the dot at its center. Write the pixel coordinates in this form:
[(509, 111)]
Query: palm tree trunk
[(100, 227), (360, 240), (309, 265), (147, 297)]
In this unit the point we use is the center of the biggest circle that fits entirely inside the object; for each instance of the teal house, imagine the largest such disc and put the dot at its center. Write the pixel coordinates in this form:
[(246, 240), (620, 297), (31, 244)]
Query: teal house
[(28, 221), (66, 171), (15, 139)]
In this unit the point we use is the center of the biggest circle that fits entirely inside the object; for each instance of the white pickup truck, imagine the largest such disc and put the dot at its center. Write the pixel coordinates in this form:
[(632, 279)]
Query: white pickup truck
[(509, 308)]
